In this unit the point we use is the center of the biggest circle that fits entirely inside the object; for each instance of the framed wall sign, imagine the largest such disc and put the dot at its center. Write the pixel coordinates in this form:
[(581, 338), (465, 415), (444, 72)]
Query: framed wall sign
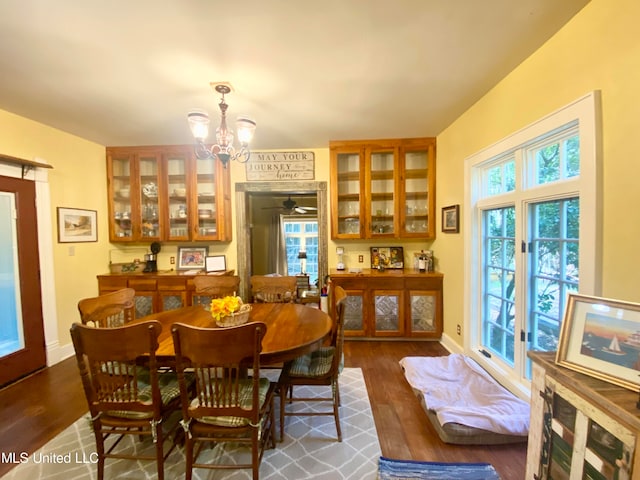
[(600, 337), (77, 225), (191, 258)]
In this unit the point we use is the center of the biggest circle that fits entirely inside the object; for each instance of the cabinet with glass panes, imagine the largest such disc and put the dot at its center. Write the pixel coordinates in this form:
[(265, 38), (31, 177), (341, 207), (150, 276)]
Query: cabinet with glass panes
[(581, 427), (383, 188), (163, 193)]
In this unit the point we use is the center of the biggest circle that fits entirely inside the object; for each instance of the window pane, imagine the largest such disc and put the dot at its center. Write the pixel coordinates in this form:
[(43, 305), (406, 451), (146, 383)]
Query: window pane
[(554, 268), (548, 164), (572, 154), (499, 284)]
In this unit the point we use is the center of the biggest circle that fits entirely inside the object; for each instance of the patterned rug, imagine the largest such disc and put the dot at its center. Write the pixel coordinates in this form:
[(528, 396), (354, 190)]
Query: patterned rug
[(389, 469), (309, 451)]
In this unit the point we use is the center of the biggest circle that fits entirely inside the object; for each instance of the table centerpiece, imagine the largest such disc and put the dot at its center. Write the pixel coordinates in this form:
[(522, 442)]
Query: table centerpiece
[(230, 311)]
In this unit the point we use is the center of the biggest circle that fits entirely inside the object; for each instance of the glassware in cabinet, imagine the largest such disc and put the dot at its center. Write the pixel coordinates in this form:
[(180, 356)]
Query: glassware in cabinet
[(416, 192), (178, 194), (205, 209), (382, 206), (349, 204), (149, 214), (120, 191)]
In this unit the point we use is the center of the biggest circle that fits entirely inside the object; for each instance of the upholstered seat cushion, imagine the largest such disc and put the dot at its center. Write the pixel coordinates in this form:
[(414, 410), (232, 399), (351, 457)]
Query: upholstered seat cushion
[(246, 397), (169, 390), (314, 364)]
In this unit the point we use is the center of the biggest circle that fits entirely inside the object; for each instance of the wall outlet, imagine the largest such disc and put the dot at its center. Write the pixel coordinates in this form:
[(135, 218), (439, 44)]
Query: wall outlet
[(172, 260), (361, 258), (458, 329)]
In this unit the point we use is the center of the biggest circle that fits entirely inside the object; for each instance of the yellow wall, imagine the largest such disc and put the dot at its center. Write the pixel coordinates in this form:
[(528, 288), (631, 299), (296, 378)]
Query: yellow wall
[(77, 180), (599, 49)]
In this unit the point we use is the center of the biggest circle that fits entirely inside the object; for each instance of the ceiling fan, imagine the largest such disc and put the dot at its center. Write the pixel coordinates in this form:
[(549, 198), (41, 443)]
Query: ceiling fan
[(292, 206)]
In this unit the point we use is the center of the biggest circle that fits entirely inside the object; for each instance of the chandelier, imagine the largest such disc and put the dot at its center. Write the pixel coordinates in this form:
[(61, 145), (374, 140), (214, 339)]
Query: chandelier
[(223, 149)]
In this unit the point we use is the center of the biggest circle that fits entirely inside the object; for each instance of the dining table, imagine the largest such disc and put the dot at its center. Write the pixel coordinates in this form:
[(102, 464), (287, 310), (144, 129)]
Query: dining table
[(292, 329)]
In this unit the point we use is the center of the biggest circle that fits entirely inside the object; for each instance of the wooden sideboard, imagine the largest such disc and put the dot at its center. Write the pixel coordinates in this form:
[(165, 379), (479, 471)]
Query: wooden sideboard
[(155, 292), (393, 303), (581, 427)]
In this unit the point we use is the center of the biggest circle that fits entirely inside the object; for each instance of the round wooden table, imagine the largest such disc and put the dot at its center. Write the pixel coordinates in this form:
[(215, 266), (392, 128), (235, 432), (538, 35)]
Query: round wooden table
[(292, 329)]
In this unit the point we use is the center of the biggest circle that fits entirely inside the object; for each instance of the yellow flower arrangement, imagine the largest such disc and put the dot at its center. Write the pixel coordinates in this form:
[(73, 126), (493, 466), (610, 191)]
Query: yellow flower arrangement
[(223, 307)]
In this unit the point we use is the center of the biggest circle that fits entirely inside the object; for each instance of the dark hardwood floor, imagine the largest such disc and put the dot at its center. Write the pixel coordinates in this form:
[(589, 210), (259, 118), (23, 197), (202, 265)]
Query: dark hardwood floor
[(37, 408)]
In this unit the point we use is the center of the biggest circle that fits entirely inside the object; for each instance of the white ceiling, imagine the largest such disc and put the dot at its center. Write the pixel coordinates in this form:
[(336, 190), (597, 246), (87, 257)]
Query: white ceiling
[(126, 72)]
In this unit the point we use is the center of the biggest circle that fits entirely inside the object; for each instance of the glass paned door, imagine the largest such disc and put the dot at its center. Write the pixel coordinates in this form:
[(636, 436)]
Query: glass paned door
[(11, 331), (498, 317), (416, 191), (206, 214), (22, 342), (382, 188), (348, 168), (149, 207), (178, 195), (554, 268)]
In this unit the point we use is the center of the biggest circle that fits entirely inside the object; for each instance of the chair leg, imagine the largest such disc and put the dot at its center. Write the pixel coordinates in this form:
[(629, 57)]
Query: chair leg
[(188, 453), (99, 449), (336, 409), (159, 452), (283, 399)]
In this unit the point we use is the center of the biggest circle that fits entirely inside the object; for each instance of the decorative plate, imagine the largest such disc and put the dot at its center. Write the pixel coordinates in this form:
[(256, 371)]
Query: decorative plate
[(150, 190)]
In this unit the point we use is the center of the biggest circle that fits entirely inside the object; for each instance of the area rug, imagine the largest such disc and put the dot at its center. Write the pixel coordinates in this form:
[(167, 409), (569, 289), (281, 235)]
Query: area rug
[(389, 469), (309, 450)]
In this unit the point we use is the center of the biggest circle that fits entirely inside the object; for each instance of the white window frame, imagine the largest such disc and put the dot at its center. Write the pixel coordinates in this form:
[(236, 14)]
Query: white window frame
[(584, 112)]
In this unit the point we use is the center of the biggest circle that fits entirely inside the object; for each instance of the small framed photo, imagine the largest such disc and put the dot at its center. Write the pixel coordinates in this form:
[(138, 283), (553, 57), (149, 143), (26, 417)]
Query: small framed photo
[(601, 337), (215, 263), (387, 257), (451, 219), (192, 258), (77, 225)]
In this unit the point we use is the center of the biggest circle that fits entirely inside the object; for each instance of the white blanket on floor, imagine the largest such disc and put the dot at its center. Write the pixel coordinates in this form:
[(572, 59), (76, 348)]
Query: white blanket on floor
[(461, 391)]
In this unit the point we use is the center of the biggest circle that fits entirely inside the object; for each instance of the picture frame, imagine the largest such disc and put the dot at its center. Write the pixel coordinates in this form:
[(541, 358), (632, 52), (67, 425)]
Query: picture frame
[(192, 258), (77, 225), (600, 337), (387, 258), (451, 219), (215, 263)]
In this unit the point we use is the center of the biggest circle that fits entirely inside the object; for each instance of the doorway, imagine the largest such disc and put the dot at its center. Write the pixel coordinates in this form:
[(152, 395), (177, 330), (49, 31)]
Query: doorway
[(22, 343), (271, 194)]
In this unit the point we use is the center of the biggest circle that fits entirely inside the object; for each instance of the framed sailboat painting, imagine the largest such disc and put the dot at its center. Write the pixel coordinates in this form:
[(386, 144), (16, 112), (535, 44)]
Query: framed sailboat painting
[(600, 337)]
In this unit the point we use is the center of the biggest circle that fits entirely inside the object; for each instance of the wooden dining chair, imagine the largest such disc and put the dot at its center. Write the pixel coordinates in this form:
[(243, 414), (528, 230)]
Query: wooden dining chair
[(208, 287), (267, 289), (113, 309), (125, 397), (318, 368), (229, 405)]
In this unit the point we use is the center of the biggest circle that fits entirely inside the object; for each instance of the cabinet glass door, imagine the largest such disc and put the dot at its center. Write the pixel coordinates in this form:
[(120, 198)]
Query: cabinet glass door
[(121, 197), (178, 194), (354, 314), (382, 199), (388, 312), (349, 202), (416, 193), (205, 213), (149, 215), (423, 311)]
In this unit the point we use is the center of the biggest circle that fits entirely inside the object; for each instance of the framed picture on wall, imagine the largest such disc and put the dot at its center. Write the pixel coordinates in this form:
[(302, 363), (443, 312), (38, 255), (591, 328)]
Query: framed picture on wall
[(77, 225), (191, 258), (387, 257), (451, 219)]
